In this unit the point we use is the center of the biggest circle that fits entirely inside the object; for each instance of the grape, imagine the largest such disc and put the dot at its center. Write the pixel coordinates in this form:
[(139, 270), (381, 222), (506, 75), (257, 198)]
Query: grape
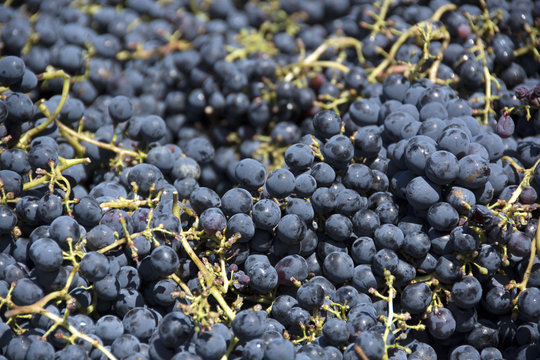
[(483, 336), (18, 347), (490, 353), (11, 70), (11, 181), (364, 112), (528, 195), (185, 167), (338, 267), (70, 352), (250, 173), (200, 149), (112, 219), (87, 211), (241, 224), (464, 239), (236, 201), (371, 343), (40, 350), (467, 292), (448, 269), (385, 259), (175, 329), (417, 152), (442, 216), (358, 178), (300, 207), (338, 151), (441, 323), (327, 124), (367, 141), (305, 185), (421, 193), (527, 304), (323, 201), (164, 260), (387, 212), (46, 254), (442, 167), (108, 328), (363, 249), (323, 173), (8, 219), (388, 236), (416, 298), (505, 126), (498, 300), (248, 325), (63, 230), (292, 266), (493, 144), (349, 295), (464, 351), (94, 266), (139, 322), (26, 292), (299, 157), (416, 244), (210, 345), (263, 277), (266, 214), (338, 227), (365, 222), (212, 220)]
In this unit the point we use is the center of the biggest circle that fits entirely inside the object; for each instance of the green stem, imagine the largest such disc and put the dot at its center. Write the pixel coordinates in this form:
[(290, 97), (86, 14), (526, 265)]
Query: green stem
[(209, 278), (64, 164), (27, 136), (100, 144), (403, 39)]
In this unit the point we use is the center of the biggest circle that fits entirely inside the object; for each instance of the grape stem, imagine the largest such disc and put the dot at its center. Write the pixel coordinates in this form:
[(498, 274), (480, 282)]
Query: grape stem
[(390, 319), (27, 136), (380, 18), (209, 278), (487, 75), (64, 164), (403, 38), (110, 147), (230, 348), (75, 333), (535, 247), (312, 60), (360, 352)]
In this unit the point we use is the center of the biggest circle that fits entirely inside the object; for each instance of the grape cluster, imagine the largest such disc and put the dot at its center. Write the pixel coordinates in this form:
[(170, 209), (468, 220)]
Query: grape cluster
[(269, 180)]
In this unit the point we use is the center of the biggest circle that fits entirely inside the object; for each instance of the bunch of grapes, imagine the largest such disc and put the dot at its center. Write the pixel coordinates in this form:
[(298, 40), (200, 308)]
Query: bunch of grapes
[(269, 180)]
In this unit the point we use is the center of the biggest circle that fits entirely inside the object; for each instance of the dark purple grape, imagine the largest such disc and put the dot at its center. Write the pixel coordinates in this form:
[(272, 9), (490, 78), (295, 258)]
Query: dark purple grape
[(210, 345), (416, 298), (338, 267), (292, 266), (139, 322), (248, 324), (505, 126), (441, 323), (250, 173), (465, 352), (164, 260), (467, 292), (421, 193)]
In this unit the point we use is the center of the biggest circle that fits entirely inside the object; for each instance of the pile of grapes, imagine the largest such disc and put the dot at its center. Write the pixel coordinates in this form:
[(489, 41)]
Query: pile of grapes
[(269, 180)]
